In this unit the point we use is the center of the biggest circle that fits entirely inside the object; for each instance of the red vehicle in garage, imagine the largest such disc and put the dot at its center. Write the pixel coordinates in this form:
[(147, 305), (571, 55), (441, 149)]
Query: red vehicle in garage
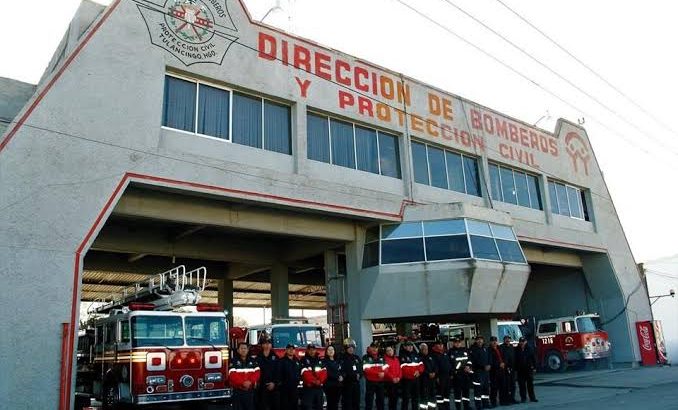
[(156, 343), (571, 339)]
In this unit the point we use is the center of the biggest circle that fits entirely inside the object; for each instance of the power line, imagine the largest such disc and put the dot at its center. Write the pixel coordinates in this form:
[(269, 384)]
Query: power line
[(591, 70), (559, 75)]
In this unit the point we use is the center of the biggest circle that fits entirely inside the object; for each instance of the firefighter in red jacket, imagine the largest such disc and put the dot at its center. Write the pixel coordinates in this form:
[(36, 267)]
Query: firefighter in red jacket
[(392, 377), (243, 375), (313, 376), (374, 369), (412, 368)]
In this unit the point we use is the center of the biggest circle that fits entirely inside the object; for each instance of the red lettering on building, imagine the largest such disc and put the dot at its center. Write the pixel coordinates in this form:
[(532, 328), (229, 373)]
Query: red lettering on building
[(303, 86)]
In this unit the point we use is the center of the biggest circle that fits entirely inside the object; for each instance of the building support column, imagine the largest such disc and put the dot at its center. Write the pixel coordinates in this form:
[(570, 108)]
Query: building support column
[(225, 297), (280, 294), (487, 328), (360, 330)]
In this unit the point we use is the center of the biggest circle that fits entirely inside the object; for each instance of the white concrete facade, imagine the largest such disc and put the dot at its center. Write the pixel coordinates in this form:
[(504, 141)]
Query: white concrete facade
[(93, 128)]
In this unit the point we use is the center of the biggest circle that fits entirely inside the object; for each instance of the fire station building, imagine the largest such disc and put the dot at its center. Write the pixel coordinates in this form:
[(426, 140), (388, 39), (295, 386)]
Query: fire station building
[(167, 132)]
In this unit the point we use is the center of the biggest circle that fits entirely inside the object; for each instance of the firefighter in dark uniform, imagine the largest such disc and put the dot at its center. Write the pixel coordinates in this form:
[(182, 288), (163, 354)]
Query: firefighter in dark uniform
[(444, 367), (427, 386), (480, 357), (461, 370), (352, 368), (243, 375), (508, 352), (374, 369), (497, 374), (313, 377), (268, 397), (526, 366), (413, 368), (289, 379)]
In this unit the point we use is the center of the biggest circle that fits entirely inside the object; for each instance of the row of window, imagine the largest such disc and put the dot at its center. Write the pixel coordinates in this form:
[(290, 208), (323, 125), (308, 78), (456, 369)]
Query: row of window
[(450, 239), (257, 122)]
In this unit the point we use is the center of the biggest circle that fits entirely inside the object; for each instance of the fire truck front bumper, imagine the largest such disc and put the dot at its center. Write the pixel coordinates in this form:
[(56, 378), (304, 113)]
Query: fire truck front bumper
[(583, 354), (184, 396)]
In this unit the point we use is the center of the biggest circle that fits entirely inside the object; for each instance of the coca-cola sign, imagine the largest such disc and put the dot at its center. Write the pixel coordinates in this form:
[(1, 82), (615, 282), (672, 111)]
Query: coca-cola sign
[(645, 342)]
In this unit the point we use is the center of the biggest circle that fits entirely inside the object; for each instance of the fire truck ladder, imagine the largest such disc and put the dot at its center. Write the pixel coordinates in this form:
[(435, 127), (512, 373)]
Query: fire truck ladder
[(167, 290)]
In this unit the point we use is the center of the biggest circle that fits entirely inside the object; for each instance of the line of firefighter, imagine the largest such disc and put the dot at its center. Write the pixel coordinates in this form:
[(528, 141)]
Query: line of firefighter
[(421, 379)]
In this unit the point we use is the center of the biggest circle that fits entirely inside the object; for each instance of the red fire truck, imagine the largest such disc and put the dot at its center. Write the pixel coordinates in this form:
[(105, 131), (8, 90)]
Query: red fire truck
[(296, 331), (156, 343), (571, 339)]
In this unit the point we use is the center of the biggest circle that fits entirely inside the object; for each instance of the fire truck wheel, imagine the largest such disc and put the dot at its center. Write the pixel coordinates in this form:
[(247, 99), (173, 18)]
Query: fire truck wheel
[(554, 362)]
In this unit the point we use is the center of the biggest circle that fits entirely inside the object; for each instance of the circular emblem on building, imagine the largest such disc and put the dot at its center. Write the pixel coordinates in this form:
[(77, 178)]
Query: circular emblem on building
[(191, 20)]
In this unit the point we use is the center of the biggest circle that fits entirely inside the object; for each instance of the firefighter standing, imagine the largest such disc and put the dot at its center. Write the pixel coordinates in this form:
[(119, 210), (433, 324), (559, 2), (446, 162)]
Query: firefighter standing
[(313, 376), (268, 397), (243, 374), (289, 379), (412, 368), (392, 378), (427, 387), (335, 376), (352, 368), (508, 352), (462, 372), (374, 368), (480, 357), (497, 373), (526, 366), (444, 366)]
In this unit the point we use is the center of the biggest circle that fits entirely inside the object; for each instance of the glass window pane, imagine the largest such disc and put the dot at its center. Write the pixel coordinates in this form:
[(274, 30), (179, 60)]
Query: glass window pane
[(178, 110), (389, 155), (484, 248), (402, 250), (372, 234), (521, 188), (533, 188), (277, 132), (213, 111), (510, 251), (420, 163), (554, 198), (471, 173), (247, 120), (366, 150), (403, 230), (585, 209), (318, 137), (503, 232), (343, 151), (436, 163), (561, 191), (495, 182), (455, 173), (478, 228), (447, 247), (371, 254), (507, 186), (575, 208), (444, 227)]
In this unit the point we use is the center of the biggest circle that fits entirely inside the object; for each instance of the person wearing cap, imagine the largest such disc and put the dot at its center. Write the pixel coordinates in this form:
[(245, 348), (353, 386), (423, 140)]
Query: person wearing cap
[(427, 382), (497, 373), (289, 368), (313, 376), (412, 368), (374, 369), (480, 357), (444, 366), (243, 375), (526, 366), (352, 368), (335, 377), (392, 377), (267, 393), (461, 373), (508, 352)]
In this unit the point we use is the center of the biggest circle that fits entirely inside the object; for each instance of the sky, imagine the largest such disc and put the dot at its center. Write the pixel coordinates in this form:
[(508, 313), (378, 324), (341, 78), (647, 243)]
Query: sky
[(630, 44)]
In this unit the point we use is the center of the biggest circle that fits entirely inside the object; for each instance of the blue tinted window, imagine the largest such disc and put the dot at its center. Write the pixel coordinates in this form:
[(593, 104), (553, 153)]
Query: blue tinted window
[(277, 133), (495, 182), (478, 228), (574, 197), (403, 230), (507, 186), (247, 120), (318, 137), (554, 198), (371, 254), (389, 155), (343, 150), (533, 188), (484, 248), (522, 189), (447, 247), (561, 192), (510, 251), (213, 111), (402, 250), (455, 172), (436, 164), (503, 232), (471, 175), (444, 227), (179, 105), (419, 162), (366, 150)]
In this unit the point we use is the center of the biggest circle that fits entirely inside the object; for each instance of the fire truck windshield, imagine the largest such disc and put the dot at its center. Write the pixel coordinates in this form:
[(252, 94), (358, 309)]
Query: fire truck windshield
[(157, 331), (205, 330), (588, 324)]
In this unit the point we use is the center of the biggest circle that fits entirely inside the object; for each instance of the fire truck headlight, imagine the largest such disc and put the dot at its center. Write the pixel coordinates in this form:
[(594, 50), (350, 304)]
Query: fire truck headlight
[(155, 380), (213, 377)]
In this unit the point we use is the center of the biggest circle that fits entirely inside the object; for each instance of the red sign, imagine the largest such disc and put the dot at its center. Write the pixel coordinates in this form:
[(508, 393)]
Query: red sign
[(646, 342)]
